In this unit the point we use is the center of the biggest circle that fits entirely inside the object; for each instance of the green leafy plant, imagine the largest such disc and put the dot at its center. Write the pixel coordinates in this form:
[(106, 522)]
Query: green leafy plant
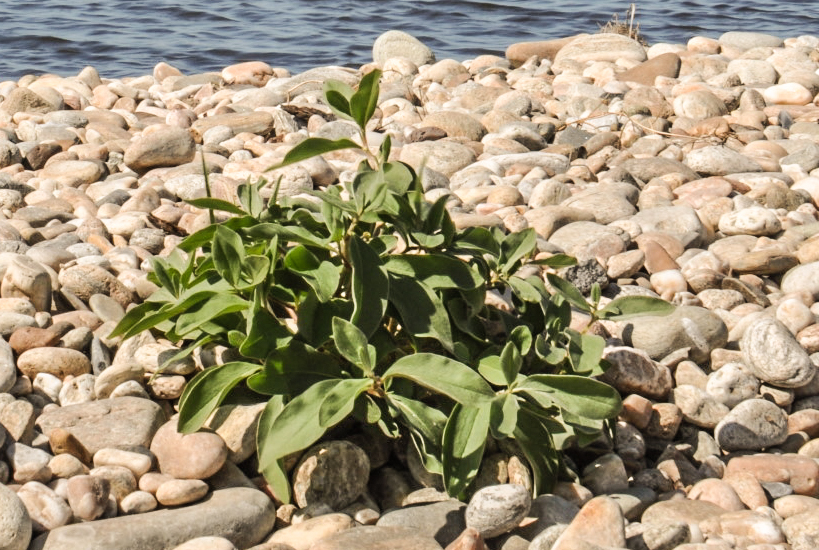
[(364, 302)]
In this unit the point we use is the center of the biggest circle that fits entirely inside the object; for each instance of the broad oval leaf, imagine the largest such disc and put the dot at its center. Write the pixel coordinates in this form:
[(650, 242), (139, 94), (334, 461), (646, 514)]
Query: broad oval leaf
[(463, 444), (627, 307), (207, 390), (536, 443), (443, 375), (228, 253), (364, 101), (216, 306), (340, 400), (557, 261), (503, 415), (421, 310), (511, 361), (515, 247), (371, 286), (352, 344), (297, 426), (426, 420), (491, 369), (577, 394), (569, 292), (435, 270)]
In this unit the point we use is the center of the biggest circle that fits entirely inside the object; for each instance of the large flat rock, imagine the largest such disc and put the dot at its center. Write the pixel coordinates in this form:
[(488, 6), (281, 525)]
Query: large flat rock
[(243, 516)]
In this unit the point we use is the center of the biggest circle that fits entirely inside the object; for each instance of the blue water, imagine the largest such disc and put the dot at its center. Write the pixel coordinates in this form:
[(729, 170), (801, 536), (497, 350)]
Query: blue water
[(128, 37)]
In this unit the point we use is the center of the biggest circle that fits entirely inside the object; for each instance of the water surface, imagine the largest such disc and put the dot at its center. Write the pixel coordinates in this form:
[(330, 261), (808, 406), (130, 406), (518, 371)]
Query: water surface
[(127, 37)]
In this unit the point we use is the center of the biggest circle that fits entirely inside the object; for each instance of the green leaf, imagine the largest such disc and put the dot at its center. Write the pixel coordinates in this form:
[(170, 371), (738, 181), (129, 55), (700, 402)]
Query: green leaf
[(592, 352), (297, 426), (340, 400), (442, 375), (536, 443), (577, 394), (427, 421), (272, 468), (463, 444), (353, 344), (293, 368), (569, 292), (627, 307), (398, 176), (338, 94), (491, 369), (557, 261), (255, 270), (216, 204), (322, 276), (315, 320), (503, 415), (524, 290), (422, 312), (384, 149), (250, 198), (228, 253), (522, 337), (312, 147), (435, 270), (364, 101), (511, 361), (207, 390), (216, 306), (269, 231), (515, 247), (264, 335), (370, 286)]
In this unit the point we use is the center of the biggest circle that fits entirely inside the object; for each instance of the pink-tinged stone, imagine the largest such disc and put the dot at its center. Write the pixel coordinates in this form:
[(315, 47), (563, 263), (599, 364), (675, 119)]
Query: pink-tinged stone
[(599, 522), (699, 192), (188, 456), (718, 492), (254, 73), (791, 93), (518, 53), (667, 64), (802, 473)]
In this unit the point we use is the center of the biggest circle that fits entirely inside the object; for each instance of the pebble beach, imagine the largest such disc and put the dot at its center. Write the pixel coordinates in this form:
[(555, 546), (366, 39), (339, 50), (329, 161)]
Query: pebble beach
[(688, 172)]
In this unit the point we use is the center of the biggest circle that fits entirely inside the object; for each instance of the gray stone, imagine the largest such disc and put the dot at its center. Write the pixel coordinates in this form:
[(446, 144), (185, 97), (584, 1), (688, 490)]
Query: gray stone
[(498, 509), (243, 516), (716, 160), (400, 44), (754, 425), (8, 369), (15, 524), (607, 474), (442, 520), (371, 537), (162, 146), (774, 355), (609, 47), (316, 479), (46, 508), (732, 384), (744, 40), (446, 157), (698, 407), (106, 423), (681, 222), (633, 371), (691, 327)]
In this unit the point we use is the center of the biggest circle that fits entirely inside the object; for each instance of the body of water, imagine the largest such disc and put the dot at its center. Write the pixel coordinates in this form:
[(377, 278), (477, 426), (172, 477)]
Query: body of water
[(127, 38)]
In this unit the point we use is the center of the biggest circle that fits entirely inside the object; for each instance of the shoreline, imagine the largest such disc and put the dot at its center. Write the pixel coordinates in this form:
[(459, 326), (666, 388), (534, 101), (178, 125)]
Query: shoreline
[(688, 172)]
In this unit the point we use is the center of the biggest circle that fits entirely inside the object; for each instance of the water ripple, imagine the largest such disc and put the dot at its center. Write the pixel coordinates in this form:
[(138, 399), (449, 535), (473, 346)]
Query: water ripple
[(126, 38)]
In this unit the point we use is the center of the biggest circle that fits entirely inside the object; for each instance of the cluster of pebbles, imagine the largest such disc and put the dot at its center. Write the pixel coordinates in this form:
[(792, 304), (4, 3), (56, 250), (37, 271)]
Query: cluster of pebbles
[(685, 171)]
